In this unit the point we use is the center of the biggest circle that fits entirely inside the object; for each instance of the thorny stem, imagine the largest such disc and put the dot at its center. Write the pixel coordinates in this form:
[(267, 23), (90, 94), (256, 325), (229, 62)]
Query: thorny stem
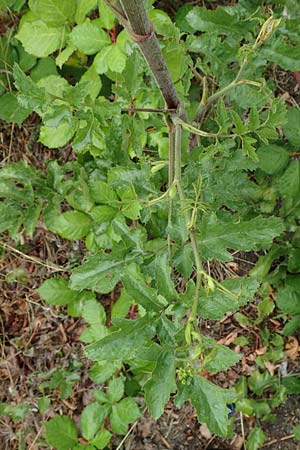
[(133, 16)]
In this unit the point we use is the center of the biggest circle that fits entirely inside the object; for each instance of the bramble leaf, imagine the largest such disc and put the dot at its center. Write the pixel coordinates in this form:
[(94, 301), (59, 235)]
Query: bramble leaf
[(72, 225), (61, 433), (122, 414), (11, 110), (55, 291), (92, 418), (53, 12), (88, 37), (39, 39), (256, 439)]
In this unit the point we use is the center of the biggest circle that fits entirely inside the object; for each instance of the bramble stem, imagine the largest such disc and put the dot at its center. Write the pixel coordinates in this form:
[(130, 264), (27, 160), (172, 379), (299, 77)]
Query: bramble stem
[(134, 18)]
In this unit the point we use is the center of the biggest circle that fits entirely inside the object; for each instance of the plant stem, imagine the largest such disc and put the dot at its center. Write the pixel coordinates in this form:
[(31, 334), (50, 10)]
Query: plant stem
[(204, 106), (171, 180), (190, 226), (133, 16)]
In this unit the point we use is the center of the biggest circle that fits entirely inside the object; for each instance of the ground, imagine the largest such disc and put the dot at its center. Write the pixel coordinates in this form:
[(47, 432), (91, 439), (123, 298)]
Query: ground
[(37, 339)]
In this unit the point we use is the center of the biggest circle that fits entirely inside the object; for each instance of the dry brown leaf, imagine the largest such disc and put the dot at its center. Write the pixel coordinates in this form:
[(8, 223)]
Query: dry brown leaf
[(292, 348), (237, 443), (205, 432), (227, 340), (271, 367), (261, 350)]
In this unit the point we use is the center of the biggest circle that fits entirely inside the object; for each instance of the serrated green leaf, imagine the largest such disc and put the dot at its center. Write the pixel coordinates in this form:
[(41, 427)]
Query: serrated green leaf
[(39, 39), (107, 18), (61, 433), (44, 68), (83, 7), (94, 82), (122, 414), (92, 418), (55, 291), (282, 53), (88, 37), (101, 440), (255, 234), (217, 20), (103, 213), (291, 128), (110, 58), (115, 390), (100, 273), (239, 291), (73, 225), (57, 135), (101, 371), (288, 297), (121, 306), (11, 110), (163, 278), (291, 327), (102, 192), (272, 158), (292, 384), (294, 260), (210, 402), (184, 261), (161, 384), (123, 343), (30, 95), (223, 359), (259, 381), (289, 182), (63, 56), (93, 312), (136, 287), (256, 439), (53, 12), (132, 237)]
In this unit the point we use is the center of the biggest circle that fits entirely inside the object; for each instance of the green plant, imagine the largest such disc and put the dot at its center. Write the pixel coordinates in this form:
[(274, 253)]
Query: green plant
[(162, 185)]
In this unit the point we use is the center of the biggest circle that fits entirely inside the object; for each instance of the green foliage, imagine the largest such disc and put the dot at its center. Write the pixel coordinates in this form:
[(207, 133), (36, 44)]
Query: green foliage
[(146, 230), (61, 432)]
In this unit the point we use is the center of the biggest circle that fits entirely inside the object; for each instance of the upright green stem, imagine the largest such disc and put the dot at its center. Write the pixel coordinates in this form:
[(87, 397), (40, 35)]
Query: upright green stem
[(171, 180), (190, 226), (204, 106)]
